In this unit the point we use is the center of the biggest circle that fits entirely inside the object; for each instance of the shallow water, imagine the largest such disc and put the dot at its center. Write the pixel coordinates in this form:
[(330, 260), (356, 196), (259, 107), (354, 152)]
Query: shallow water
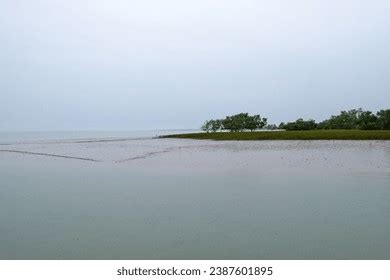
[(134, 197)]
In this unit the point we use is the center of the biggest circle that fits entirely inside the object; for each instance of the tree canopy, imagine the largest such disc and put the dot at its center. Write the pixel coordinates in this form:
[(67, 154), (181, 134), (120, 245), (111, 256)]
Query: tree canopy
[(352, 119), (299, 124), (238, 122), (384, 119)]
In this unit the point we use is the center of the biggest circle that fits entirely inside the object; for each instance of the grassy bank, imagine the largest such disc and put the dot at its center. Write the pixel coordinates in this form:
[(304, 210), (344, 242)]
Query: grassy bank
[(290, 135)]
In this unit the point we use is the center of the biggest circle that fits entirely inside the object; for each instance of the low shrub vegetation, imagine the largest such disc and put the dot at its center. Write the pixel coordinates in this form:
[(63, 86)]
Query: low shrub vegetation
[(290, 135)]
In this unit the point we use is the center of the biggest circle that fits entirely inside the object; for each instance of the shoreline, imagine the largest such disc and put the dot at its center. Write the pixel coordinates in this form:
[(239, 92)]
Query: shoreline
[(287, 135)]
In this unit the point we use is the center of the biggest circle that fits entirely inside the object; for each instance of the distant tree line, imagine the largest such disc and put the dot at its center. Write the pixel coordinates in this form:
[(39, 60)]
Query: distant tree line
[(239, 122), (352, 119)]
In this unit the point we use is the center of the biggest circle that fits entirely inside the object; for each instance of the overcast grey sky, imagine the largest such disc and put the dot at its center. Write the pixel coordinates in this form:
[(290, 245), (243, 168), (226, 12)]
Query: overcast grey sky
[(122, 64)]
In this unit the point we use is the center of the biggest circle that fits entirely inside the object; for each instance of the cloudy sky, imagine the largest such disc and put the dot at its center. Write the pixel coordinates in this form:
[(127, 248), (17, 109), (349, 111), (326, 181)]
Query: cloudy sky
[(129, 64)]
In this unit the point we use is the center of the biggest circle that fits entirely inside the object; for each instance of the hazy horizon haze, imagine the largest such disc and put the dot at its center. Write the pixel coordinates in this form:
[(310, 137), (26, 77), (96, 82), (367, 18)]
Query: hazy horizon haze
[(130, 65)]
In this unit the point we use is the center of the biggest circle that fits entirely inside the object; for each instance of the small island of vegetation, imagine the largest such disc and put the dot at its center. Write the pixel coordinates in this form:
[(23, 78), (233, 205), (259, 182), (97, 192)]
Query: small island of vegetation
[(355, 124)]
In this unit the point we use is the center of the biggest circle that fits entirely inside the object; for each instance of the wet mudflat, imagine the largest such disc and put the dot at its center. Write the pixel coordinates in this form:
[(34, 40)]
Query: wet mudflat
[(144, 198)]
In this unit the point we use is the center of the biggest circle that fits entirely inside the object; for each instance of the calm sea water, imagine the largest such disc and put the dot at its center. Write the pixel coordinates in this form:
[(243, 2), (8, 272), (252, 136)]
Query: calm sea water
[(125, 195)]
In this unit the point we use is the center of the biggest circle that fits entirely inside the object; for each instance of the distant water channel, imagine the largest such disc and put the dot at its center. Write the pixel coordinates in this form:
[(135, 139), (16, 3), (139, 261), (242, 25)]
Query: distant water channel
[(131, 196)]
